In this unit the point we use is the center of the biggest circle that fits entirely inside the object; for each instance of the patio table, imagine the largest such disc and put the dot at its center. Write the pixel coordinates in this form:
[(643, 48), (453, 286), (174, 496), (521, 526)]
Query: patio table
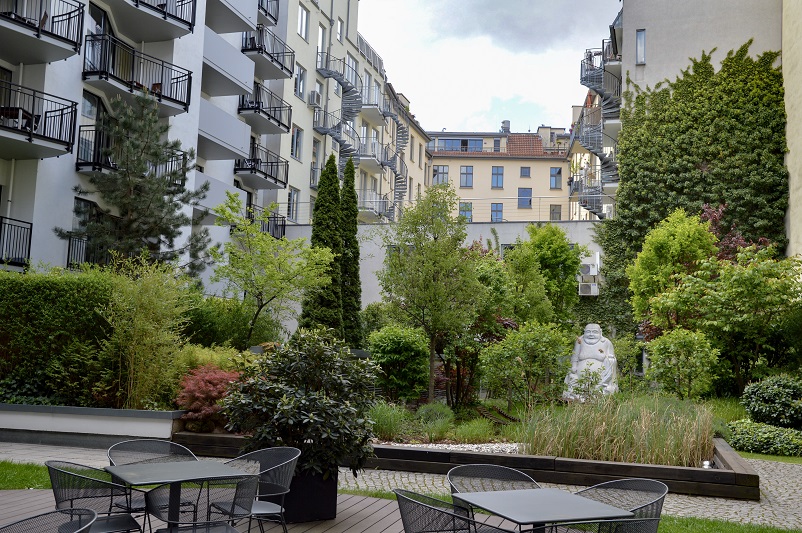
[(541, 506)]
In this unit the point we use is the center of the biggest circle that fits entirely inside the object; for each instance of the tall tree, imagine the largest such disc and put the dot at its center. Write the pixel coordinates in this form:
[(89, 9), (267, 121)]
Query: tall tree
[(349, 263), (428, 274), (144, 200), (324, 305)]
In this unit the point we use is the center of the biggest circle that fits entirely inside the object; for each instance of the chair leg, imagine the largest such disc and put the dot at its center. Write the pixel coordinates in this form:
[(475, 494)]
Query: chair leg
[(283, 523)]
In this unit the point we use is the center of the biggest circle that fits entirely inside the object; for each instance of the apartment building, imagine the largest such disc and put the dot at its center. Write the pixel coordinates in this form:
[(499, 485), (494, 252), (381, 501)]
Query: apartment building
[(504, 176)]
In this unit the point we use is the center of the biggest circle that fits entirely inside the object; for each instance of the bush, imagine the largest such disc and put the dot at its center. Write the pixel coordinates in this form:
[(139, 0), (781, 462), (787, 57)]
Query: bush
[(432, 412), (682, 362), (216, 321), (755, 437), (776, 400), (403, 356), (201, 391), (388, 419), (475, 431)]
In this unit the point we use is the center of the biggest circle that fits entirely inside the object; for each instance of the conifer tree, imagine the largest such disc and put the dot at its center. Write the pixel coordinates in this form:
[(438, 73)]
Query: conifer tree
[(349, 264), (144, 200), (323, 306)]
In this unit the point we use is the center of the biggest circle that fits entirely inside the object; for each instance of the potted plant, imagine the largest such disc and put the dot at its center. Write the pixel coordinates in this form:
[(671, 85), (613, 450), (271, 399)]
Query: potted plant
[(310, 393)]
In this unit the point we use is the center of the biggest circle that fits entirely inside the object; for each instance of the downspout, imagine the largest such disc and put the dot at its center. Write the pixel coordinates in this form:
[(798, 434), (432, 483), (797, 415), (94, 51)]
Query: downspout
[(21, 70)]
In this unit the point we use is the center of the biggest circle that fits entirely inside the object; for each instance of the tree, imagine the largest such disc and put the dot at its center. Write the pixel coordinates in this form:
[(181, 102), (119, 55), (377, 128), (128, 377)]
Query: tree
[(323, 306), (144, 199), (402, 354), (682, 362), (349, 263), (428, 274), (272, 273)]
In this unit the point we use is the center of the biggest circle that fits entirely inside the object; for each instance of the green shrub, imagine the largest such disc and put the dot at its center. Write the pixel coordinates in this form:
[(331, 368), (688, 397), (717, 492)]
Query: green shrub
[(436, 429), (475, 431), (682, 362), (776, 400), (403, 355), (213, 321), (755, 437), (388, 419), (431, 412)]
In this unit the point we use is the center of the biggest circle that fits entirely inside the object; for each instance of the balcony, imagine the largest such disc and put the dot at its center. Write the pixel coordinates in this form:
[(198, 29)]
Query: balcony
[(230, 16), (372, 155), (226, 72), (118, 69), (375, 106), (36, 32), (153, 20), (262, 170), (33, 124), (268, 12), (221, 135), (372, 206), (81, 250), (314, 176), (273, 58), (265, 111), (15, 242), (276, 225)]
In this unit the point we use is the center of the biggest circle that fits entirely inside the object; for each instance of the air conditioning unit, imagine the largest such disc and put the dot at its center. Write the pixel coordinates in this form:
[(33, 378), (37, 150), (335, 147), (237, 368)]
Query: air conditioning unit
[(588, 289), (315, 99), (589, 269)]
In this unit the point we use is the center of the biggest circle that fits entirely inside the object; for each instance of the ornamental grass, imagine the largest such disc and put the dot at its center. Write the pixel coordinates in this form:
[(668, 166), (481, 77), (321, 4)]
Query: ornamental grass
[(648, 430)]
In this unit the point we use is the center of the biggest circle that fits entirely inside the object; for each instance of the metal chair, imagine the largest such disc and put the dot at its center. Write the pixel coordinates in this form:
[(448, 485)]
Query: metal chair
[(643, 497), (627, 525), (148, 451), (77, 486), (275, 467), (423, 514), (63, 521), (218, 503)]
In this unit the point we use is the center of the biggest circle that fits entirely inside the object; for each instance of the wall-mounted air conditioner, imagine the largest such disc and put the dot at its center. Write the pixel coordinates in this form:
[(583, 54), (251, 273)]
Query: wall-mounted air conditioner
[(315, 99), (589, 269), (588, 289)]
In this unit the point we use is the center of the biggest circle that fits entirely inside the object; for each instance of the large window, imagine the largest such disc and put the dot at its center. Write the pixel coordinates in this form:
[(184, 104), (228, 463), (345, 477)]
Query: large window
[(524, 198), (466, 210), (497, 178), (293, 201), (439, 174), (296, 142), (461, 145), (351, 69), (640, 47), (466, 176), (496, 212), (556, 178), (303, 22), (300, 80)]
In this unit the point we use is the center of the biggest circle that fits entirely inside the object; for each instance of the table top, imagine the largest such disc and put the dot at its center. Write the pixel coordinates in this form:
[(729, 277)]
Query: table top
[(170, 472), (541, 506)]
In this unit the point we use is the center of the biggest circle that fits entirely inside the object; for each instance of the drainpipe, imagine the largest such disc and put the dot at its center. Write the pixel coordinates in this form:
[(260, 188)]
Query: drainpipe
[(10, 188)]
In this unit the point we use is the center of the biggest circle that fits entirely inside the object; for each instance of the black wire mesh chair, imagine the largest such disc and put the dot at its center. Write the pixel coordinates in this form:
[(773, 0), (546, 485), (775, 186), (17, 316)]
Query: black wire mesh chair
[(148, 451), (627, 525), (424, 514), (643, 497), (217, 502), (485, 478), (79, 486), (62, 521), (275, 467)]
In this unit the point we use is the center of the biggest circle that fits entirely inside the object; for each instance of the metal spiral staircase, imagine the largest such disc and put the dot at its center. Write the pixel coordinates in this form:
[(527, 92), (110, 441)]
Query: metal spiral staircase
[(395, 162), (344, 135), (338, 124)]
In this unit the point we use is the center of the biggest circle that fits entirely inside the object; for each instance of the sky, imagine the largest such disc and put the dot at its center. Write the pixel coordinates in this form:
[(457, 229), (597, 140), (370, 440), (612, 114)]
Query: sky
[(466, 65)]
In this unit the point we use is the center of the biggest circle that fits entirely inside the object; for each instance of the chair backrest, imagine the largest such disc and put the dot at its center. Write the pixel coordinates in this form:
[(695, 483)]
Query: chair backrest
[(424, 514), (63, 521), (484, 478), (148, 451), (275, 467), (216, 500), (627, 525), (643, 497), (79, 486)]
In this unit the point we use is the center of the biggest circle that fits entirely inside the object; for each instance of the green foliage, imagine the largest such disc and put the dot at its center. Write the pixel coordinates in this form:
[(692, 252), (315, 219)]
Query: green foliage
[(776, 400), (682, 362), (478, 430), (376, 315), (349, 262), (671, 248), (215, 321), (756, 437), (388, 419), (323, 305), (20, 476), (528, 364), (402, 355), (628, 352), (434, 411), (519, 285), (311, 394), (271, 274)]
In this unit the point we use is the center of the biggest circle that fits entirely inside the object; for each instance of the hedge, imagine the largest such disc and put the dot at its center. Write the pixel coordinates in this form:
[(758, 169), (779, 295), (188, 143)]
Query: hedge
[(754, 437)]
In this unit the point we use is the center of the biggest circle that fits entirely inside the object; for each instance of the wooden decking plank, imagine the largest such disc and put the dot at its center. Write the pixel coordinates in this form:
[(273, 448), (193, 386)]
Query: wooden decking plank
[(364, 512), (389, 523), (18, 504)]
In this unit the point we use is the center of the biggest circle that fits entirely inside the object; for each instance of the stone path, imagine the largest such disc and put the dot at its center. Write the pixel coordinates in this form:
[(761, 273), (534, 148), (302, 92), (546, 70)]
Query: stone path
[(780, 485)]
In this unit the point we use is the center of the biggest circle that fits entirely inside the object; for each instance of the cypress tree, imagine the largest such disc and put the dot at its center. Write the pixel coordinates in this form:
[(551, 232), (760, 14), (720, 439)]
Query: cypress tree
[(324, 306), (349, 264)]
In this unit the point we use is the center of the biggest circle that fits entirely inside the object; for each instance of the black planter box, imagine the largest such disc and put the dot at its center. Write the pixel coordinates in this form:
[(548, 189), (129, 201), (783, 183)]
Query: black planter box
[(311, 498)]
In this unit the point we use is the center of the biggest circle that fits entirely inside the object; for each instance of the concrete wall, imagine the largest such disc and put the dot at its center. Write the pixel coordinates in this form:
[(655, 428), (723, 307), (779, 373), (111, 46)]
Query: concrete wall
[(792, 72)]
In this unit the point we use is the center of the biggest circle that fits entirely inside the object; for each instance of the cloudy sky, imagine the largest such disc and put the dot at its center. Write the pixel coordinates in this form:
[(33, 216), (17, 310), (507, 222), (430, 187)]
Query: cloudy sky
[(466, 65)]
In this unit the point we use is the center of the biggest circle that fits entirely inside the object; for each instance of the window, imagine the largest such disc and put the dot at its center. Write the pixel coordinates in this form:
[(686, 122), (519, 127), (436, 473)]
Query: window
[(300, 80), (439, 174), (303, 22), (556, 178), (296, 141), (526, 172), (321, 45), (497, 178), (293, 199), (340, 30), (412, 149), (496, 212), (461, 145), (351, 69), (496, 145), (640, 47), (466, 176), (555, 212), (466, 210), (420, 155), (524, 198)]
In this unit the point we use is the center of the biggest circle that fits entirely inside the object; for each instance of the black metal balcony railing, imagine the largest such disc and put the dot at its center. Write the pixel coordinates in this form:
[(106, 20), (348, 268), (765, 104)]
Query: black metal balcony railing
[(15, 241), (264, 162), (59, 19), (82, 250), (36, 114), (269, 8), (266, 101), (107, 57), (266, 42), (314, 176), (182, 11), (276, 224)]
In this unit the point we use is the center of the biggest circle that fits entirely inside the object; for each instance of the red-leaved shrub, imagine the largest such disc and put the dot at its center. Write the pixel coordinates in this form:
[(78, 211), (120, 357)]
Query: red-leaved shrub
[(201, 390)]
